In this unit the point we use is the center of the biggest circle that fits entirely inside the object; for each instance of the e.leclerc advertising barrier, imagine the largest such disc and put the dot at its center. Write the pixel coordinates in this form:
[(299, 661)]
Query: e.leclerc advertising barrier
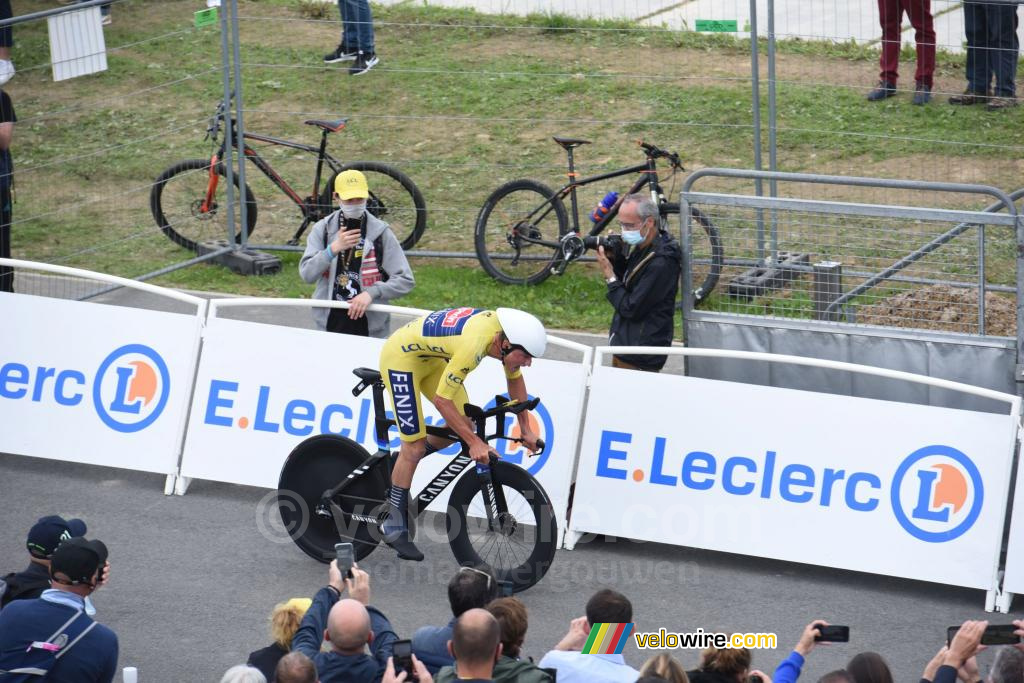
[(93, 383), (867, 485), (261, 389), (1013, 579)]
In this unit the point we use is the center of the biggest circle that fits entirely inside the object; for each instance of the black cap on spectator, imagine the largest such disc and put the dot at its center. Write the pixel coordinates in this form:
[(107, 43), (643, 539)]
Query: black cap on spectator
[(78, 559), (46, 534)]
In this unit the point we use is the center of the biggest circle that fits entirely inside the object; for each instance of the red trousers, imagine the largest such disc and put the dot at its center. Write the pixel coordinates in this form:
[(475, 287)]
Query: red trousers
[(890, 16)]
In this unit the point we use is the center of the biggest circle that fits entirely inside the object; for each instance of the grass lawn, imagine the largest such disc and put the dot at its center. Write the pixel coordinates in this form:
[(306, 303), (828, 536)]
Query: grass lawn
[(462, 102)]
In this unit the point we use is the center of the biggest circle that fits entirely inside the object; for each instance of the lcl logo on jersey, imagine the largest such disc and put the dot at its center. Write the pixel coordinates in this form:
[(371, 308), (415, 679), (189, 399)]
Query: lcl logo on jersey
[(131, 388), (937, 493)]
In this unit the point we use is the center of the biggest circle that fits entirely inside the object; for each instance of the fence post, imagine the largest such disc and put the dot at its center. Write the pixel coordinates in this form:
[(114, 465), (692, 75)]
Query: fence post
[(229, 167), (773, 187), (239, 126), (828, 285), (755, 87), (1019, 370)]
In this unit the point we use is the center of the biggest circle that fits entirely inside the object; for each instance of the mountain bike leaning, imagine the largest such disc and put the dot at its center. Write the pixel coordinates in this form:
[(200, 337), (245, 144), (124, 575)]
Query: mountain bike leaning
[(187, 198), (331, 490), (524, 234)]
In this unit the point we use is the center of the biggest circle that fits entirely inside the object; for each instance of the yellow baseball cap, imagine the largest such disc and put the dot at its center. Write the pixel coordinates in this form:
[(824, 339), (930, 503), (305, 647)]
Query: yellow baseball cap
[(351, 185)]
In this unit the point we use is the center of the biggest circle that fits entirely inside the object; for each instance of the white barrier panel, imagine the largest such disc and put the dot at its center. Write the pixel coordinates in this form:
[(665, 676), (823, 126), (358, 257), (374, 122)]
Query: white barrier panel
[(92, 383), (261, 389), (1013, 577), (867, 485)]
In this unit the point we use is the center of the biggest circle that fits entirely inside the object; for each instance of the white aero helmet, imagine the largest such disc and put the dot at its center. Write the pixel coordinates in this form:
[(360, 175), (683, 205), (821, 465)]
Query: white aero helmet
[(523, 329)]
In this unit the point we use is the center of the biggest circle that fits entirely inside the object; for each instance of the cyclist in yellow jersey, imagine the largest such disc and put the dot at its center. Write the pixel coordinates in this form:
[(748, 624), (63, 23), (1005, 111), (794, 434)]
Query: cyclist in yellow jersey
[(432, 356)]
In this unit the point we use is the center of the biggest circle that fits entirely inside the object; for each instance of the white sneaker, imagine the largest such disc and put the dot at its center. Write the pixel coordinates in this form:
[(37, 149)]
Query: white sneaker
[(6, 70)]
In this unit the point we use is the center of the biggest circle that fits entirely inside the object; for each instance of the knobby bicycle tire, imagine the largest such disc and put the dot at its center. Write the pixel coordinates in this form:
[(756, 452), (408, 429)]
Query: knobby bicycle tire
[(176, 197), (529, 550), (315, 465), (517, 209), (706, 252), (394, 198)]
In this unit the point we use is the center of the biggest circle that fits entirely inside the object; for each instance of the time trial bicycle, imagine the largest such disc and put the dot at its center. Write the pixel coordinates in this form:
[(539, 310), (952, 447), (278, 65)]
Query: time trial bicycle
[(187, 198), (524, 234), (331, 490)]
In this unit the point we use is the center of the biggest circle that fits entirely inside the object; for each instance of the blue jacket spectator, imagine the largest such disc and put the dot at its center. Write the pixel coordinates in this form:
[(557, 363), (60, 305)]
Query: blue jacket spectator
[(34, 632), (789, 669), (350, 625), (469, 588)]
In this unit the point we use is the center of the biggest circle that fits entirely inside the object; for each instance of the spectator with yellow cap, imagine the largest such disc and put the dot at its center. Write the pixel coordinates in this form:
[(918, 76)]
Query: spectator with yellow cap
[(354, 256), (284, 622)]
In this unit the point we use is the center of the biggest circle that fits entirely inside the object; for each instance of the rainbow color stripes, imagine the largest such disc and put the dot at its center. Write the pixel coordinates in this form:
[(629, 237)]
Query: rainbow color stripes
[(607, 639)]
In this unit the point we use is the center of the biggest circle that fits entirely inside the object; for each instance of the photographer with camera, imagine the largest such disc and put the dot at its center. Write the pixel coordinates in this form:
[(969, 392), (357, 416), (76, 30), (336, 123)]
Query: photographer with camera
[(642, 270), (354, 256)]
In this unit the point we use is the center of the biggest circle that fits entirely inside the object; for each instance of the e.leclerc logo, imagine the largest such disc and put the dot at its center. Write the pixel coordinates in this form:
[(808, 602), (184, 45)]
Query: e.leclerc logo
[(131, 388), (271, 413), (936, 493)]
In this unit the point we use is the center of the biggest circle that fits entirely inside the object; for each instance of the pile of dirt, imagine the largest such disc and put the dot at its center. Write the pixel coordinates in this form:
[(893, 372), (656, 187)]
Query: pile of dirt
[(941, 307)]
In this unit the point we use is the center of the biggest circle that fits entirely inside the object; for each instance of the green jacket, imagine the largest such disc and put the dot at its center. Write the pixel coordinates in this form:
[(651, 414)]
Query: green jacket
[(507, 670)]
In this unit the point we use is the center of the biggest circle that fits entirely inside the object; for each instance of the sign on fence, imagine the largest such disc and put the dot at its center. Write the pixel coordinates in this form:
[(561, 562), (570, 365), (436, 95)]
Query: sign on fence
[(868, 485), (97, 384), (261, 389)]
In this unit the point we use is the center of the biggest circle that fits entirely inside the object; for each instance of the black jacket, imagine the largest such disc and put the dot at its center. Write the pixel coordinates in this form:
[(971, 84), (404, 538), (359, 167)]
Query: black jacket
[(644, 298), (26, 585)]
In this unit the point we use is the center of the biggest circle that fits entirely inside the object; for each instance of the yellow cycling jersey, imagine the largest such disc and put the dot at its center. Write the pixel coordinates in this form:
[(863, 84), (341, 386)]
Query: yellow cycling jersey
[(432, 356), (452, 339)]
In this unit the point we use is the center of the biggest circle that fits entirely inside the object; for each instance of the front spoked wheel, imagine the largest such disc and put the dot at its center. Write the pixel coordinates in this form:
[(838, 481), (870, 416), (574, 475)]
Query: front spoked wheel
[(518, 231), (177, 202), (707, 254), (315, 465), (521, 547)]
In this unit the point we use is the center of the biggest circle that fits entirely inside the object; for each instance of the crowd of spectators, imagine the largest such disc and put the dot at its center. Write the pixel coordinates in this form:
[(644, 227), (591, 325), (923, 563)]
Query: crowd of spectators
[(48, 634)]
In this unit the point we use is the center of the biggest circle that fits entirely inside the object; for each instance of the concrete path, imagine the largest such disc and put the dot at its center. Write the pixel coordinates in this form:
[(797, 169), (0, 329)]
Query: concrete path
[(835, 20)]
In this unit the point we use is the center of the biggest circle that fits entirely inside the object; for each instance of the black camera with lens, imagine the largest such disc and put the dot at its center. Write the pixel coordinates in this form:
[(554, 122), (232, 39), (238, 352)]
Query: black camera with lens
[(611, 243)]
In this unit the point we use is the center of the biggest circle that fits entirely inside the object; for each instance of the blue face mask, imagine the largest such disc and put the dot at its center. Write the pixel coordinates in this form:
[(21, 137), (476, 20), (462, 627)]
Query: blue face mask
[(632, 237)]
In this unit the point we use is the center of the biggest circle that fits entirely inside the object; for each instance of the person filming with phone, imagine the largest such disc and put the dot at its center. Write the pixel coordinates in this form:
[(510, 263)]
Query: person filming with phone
[(354, 256), (642, 276), (350, 625)]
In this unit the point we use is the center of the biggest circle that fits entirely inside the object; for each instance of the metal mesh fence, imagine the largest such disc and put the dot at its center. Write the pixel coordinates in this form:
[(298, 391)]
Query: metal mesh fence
[(863, 264)]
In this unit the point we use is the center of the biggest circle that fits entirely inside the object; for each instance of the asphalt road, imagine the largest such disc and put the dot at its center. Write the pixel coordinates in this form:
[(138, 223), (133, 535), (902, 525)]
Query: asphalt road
[(195, 577)]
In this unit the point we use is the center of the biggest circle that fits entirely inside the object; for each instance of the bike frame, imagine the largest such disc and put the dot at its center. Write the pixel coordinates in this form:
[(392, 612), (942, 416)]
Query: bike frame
[(311, 210), (649, 178), (494, 497)]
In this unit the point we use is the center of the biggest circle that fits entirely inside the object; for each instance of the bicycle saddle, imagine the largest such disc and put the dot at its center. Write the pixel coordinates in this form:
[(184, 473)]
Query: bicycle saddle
[(367, 374), (329, 126), (569, 143)]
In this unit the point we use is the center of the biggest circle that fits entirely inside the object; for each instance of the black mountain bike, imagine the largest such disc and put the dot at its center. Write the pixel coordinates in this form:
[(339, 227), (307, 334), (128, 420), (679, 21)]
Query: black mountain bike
[(523, 233), (187, 197), (331, 490)]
